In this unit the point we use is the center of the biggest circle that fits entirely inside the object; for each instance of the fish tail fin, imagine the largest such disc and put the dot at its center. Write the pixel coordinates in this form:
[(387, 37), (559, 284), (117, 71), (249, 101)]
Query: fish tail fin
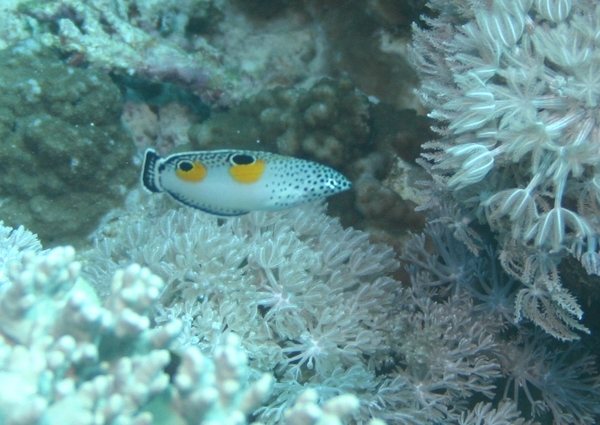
[(149, 174)]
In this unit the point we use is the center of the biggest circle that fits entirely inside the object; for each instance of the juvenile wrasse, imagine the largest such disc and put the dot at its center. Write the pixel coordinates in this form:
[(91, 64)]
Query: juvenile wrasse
[(235, 182)]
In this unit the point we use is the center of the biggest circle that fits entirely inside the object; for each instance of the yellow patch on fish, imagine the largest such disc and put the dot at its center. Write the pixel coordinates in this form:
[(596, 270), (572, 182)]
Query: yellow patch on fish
[(248, 173), (191, 171), (235, 182)]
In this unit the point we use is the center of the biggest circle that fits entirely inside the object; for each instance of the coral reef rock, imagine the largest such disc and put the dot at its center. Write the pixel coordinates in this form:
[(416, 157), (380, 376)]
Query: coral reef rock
[(66, 160)]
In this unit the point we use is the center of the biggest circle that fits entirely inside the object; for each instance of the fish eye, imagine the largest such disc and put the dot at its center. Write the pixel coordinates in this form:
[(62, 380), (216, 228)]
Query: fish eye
[(185, 165), (242, 159)]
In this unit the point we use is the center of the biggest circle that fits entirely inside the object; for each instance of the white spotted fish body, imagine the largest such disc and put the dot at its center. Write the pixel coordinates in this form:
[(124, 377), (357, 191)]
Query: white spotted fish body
[(235, 182)]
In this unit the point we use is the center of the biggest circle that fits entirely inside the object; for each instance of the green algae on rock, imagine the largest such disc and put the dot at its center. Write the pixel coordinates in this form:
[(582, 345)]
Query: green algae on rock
[(65, 157)]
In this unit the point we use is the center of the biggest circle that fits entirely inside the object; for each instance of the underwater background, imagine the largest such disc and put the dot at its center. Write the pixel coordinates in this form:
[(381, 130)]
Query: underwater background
[(455, 283)]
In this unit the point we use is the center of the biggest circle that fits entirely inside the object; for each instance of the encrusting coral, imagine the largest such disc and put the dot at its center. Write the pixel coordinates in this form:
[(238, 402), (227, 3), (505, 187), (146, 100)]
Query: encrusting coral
[(327, 123), (65, 158), (515, 86), (125, 37), (205, 46)]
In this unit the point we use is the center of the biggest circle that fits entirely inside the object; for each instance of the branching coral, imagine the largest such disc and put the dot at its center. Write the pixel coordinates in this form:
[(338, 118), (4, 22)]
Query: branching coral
[(514, 86), (67, 359)]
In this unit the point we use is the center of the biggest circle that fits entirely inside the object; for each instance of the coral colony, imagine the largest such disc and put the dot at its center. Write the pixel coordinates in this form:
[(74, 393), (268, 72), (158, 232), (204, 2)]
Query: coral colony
[(167, 315), (518, 89)]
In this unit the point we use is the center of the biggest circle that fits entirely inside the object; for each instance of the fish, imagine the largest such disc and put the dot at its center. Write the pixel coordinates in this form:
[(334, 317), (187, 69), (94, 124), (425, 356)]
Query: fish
[(234, 182)]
